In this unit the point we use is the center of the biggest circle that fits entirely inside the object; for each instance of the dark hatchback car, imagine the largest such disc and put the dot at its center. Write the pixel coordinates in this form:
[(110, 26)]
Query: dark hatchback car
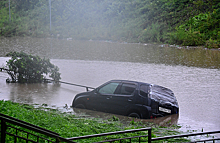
[(129, 98)]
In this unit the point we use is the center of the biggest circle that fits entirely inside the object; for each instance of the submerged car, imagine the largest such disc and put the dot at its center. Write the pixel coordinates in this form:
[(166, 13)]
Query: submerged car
[(129, 98)]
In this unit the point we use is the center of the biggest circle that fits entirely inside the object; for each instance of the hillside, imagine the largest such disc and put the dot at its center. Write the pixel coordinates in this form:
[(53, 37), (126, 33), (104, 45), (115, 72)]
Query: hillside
[(184, 22)]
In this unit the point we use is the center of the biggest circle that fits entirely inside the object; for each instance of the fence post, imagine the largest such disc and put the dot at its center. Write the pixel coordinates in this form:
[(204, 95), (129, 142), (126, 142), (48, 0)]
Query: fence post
[(57, 140), (3, 131), (149, 135)]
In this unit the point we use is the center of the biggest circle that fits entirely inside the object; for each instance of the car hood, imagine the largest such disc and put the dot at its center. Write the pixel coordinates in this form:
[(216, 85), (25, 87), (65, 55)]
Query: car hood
[(83, 94), (163, 95)]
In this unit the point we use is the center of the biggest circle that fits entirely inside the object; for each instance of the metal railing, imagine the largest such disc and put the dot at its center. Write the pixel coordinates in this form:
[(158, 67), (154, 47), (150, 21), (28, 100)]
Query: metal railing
[(115, 133), (87, 87), (189, 135), (16, 130), (149, 138)]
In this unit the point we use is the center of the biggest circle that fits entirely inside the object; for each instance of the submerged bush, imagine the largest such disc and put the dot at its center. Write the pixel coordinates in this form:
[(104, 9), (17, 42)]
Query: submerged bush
[(24, 68)]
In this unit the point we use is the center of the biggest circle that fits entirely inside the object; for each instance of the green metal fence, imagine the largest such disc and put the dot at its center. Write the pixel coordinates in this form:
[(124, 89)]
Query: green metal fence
[(14, 130)]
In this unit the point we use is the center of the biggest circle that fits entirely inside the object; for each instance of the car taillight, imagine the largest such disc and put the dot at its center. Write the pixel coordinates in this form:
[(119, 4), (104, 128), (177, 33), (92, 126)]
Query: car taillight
[(153, 117)]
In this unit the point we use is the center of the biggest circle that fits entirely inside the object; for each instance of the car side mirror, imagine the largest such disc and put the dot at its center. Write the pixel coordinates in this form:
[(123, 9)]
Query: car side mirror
[(96, 91)]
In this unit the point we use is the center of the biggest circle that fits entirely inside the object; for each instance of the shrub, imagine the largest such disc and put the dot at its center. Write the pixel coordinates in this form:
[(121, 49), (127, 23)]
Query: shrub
[(24, 68), (202, 29), (212, 44)]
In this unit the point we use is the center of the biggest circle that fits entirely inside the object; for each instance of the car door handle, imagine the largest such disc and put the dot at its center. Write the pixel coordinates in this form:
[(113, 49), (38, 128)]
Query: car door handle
[(129, 100), (109, 97)]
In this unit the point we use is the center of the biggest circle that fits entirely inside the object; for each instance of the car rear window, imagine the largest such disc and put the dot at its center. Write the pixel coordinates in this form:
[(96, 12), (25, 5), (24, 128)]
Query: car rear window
[(162, 91), (127, 89), (144, 90)]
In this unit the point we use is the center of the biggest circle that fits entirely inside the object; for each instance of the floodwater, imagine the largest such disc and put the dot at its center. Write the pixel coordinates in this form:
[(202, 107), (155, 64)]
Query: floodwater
[(193, 74)]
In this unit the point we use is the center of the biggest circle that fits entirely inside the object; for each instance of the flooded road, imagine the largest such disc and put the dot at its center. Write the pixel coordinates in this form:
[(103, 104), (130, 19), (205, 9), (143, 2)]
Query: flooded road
[(193, 74)]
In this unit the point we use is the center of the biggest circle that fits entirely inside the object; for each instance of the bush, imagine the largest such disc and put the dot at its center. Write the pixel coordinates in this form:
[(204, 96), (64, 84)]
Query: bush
[(187, 38), (212, 44), (24, 68), (153, 33), (202, 29)]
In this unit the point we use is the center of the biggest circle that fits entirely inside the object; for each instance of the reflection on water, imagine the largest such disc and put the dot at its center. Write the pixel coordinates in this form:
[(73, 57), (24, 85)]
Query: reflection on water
[(193, 74), (28, 93)]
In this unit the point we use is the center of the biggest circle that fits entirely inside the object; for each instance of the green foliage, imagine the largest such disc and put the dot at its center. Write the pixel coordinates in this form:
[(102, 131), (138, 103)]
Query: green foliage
[(187, 38), (26, 68), (212, 43), (153, 33), (127, 20), (114, 119), (202, 29)]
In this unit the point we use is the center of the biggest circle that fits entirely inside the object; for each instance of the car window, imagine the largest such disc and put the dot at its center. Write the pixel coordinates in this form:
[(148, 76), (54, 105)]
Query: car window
[(144, 90), (109, 88), (127, 89)]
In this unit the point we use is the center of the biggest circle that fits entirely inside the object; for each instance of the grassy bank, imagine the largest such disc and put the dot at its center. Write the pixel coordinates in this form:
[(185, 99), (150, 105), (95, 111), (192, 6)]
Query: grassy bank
[(68, 125)]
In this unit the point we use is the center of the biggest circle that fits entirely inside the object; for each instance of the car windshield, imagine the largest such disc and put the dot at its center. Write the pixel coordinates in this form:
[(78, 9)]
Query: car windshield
[(109, 88)]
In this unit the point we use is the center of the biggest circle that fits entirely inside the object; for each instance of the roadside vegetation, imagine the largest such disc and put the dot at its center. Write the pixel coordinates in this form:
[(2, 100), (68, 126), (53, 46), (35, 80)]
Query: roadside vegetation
[(69, 125), (184, 22)]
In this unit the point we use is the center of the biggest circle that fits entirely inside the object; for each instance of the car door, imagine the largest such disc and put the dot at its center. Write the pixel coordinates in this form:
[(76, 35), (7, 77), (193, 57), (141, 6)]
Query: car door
[(123, 98), (143, 94), (103, 95)]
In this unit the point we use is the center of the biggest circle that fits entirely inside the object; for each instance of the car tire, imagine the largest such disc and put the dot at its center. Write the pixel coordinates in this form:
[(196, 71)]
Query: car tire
[(134, 115), (81, 106)]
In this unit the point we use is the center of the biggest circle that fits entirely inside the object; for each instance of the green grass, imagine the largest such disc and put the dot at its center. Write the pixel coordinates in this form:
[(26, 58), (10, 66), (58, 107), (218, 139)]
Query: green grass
[(68, 125)]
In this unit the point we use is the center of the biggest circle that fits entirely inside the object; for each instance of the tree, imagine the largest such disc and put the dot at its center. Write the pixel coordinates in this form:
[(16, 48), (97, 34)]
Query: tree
[(24, 68)]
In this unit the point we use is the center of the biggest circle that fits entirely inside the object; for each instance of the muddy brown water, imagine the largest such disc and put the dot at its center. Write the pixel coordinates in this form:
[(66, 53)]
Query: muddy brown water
[(193, 74)]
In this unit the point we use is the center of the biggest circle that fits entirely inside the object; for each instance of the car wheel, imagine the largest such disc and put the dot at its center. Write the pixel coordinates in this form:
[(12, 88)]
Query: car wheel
[(134, 115), (80, 106)]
